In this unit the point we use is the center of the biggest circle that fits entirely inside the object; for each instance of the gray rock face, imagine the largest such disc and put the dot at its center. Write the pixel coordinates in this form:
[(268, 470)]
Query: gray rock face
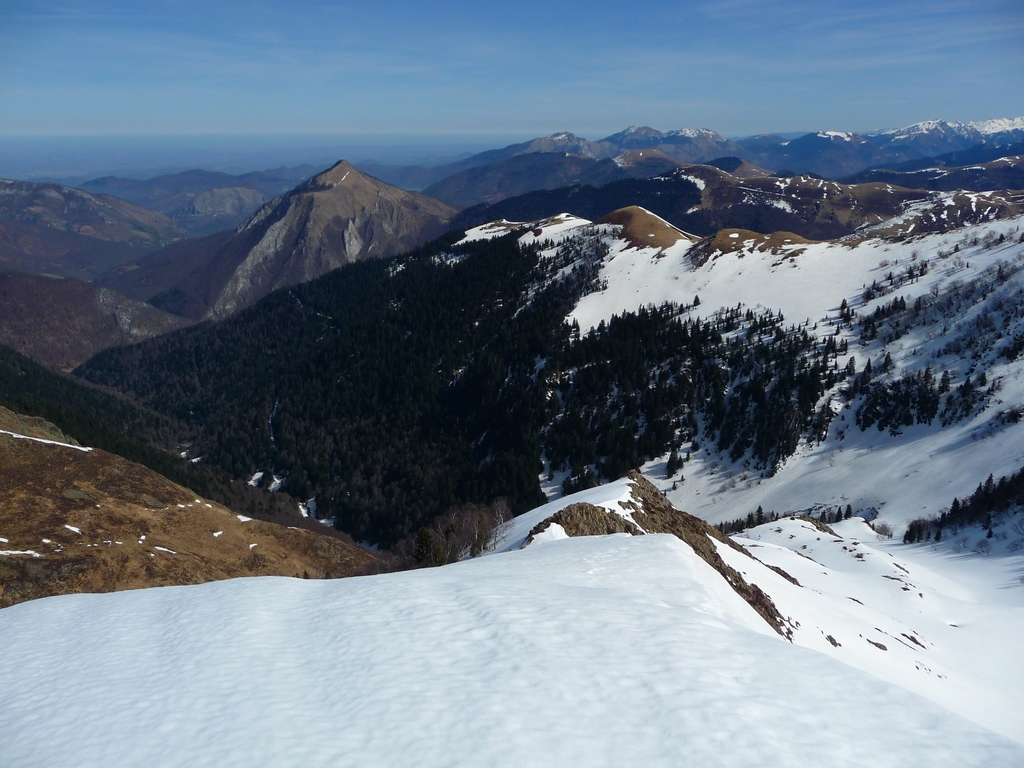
[(229, 201), (337, 218)]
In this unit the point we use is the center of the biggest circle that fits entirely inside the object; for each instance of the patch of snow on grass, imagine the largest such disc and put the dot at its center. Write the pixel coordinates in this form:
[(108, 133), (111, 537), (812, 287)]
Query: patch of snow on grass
[(700, 183), (82, 448)]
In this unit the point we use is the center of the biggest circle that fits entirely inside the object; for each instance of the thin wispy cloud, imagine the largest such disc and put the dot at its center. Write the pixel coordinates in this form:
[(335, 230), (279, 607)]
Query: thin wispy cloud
[(457, 67)]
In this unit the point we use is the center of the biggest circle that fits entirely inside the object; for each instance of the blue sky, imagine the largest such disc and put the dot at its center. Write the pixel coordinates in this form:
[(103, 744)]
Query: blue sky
[(516, 69)]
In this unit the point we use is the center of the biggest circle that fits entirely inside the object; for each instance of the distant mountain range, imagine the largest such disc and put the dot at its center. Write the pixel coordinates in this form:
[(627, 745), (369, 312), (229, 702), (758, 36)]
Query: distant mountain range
[(1003, 173), (831, 154), (57, 230), (204, 201), (545, 170), (271, 233), (704, 199), (394, 389)]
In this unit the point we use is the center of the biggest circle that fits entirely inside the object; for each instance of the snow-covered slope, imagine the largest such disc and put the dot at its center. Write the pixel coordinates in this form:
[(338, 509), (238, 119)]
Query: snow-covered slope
[(942, 625), (963, 291), (934, 619), (973, 291), (979, 130), (602, 650)]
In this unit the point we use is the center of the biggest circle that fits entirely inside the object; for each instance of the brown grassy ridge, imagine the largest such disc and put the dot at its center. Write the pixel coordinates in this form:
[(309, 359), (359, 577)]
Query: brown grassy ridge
[(135, 527), (642, 229)]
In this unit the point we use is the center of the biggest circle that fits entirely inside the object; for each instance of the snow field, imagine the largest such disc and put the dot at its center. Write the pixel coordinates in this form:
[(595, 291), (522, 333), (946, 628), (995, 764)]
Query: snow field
[(948, 626), (590, 651), (803, 281)]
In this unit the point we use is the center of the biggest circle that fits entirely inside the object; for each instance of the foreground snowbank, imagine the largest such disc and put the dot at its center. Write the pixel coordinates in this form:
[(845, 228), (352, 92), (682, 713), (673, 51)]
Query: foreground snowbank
[(589, 651)]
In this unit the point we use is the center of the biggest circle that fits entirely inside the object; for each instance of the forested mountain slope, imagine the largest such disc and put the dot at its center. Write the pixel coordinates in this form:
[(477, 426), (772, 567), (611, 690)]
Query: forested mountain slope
[(370, 387), (103, 420), (89, 319), (393, 390), (57, 230)]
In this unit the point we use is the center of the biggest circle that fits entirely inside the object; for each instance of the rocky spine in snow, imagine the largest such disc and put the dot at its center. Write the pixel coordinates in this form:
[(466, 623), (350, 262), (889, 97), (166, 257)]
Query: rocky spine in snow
[(651, 512)]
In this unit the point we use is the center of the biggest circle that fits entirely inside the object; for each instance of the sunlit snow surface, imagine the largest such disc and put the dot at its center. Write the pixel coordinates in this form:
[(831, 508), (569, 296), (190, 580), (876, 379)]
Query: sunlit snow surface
[(804, 281), (900, 478), (585, 652)]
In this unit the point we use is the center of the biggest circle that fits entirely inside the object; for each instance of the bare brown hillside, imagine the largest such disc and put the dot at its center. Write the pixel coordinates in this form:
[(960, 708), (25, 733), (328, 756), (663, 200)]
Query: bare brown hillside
[(62, 323), (79, 520), (643, 229), (57, 230)]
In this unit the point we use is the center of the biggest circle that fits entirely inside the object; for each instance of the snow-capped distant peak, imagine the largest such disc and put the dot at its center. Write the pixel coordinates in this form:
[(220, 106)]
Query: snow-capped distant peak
[(929, 126), (969, 129), (841, 135), (695, 133), (999, 125)]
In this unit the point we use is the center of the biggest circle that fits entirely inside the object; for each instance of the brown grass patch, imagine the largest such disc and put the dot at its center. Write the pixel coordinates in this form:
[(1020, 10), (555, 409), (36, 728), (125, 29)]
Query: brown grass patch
[(124, 513), (742, 241), (642, 229)]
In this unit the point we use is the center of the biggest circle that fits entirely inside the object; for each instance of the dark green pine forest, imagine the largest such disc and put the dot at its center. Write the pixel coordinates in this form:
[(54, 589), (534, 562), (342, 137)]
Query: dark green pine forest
[(383, 389), (115, 424), (394, 390)]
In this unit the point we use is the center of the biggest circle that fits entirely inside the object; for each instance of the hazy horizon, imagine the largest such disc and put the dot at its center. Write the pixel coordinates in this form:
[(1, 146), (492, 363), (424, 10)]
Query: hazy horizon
[(85, 157), (67, 157), (739, 67)]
